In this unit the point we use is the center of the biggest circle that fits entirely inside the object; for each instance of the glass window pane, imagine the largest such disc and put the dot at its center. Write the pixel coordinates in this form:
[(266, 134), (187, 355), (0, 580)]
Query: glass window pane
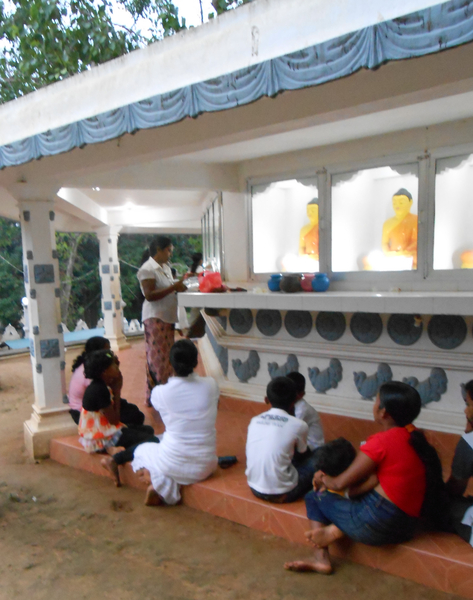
[(285, 226), (453, 233), (374, 219)]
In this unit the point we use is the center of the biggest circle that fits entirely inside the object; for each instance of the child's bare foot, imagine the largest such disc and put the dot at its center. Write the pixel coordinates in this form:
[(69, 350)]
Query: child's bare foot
[(111, 450), (144, 476), (303, 566), (111, 466), (152, 498), (324, 536)]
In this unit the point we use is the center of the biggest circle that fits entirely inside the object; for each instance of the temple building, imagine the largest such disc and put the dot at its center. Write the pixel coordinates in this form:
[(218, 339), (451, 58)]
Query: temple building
[(306, 137)]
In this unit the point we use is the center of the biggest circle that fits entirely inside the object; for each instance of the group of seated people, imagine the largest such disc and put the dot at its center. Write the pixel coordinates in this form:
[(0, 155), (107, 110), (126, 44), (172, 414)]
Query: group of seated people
[(378, 495)]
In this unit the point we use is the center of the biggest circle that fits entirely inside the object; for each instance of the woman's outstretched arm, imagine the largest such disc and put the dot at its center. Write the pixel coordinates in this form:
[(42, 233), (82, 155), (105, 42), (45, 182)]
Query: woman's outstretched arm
[(361, 468)]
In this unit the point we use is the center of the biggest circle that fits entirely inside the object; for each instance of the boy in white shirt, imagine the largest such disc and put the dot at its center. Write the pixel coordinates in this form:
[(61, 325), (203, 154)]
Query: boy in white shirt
[(303, 410), (272, 440)]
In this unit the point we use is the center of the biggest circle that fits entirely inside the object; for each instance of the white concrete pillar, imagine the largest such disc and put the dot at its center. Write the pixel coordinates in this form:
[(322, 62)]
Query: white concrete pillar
[(50, 417), (111, 290), (235, 237)]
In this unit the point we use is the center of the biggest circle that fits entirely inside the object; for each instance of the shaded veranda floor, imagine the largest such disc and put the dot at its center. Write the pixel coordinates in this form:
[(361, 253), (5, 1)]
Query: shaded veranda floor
[(69, 534)]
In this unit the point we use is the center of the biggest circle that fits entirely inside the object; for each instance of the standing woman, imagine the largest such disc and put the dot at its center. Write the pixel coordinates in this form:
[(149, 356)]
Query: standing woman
[(159, 310)]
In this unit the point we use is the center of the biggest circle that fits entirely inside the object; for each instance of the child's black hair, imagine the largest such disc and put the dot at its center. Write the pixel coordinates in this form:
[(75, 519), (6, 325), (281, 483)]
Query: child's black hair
[(96, 362), (299, 381), (94, 343), (335, 457), (183, 357), (281, 393), (403, 404)]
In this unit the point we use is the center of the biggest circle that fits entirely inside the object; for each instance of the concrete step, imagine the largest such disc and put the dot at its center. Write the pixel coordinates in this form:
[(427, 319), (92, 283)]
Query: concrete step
[(440, 561)]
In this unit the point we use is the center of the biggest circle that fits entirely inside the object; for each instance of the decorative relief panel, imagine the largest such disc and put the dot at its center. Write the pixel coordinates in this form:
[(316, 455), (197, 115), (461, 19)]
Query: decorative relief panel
[(44, 273), (241, 320), (49, 348), (268, 322), (327, 379), (330, 325), (298, 323), (220, 352), (291, 364), (366, 327), (248, 369), (368, 385), (405, 330), (432, 388), (447, 331)]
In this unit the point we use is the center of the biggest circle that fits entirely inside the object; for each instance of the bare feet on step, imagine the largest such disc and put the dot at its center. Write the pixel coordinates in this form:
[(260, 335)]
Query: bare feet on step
[(152, 498), (111, 466), (307, 566), (324, 536)]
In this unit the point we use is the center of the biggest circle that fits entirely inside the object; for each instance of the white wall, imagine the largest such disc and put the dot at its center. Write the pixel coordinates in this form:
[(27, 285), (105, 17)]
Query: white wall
[(235, 236)]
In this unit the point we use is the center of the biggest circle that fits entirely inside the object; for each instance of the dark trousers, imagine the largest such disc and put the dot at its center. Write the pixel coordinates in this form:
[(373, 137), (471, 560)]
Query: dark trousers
[(131, 437)]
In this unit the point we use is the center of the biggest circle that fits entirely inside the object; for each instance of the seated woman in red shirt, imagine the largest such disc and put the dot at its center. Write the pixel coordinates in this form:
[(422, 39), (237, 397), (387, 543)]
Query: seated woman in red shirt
[(408, 472)]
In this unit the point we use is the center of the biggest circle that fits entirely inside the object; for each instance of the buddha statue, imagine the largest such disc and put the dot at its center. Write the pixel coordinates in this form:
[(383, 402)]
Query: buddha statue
[(309, 235), (400, 232)]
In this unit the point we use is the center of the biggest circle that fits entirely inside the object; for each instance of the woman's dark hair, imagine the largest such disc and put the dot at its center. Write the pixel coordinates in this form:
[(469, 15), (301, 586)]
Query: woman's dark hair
[(160, 242), (403, 404), (401, 401), (94, 343), (196, 258), (96, 362), (183, 357)]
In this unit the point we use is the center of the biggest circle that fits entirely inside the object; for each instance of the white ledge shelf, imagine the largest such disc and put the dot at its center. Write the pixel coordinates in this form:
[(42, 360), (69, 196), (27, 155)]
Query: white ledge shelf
[(425, 303)]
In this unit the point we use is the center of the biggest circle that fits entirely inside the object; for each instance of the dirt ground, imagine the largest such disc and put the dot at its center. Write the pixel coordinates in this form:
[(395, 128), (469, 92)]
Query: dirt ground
[(65, 534)]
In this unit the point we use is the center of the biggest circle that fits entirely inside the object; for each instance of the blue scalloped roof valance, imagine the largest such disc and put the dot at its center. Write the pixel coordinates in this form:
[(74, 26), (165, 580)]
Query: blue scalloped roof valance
[(424, 32)]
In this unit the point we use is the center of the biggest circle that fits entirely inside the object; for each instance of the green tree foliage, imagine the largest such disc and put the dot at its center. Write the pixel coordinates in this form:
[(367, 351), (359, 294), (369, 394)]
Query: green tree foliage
[(80, 279), (11, 273), (82, 276), (44, 41), (222, 6)]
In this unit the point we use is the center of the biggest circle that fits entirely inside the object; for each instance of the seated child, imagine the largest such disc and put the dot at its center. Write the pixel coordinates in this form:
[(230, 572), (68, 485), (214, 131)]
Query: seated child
[(332, 459), (129, 413), (272, 439), (461, 509), (303, 410), (100, 428)]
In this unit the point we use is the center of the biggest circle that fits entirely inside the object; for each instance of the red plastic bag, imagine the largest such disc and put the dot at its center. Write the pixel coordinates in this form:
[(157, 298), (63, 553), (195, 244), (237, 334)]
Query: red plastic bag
[(208, 281)]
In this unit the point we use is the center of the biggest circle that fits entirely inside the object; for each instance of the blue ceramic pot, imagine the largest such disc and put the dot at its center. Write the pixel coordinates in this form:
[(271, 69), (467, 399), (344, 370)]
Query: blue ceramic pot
[(274, 282), (320, 282)]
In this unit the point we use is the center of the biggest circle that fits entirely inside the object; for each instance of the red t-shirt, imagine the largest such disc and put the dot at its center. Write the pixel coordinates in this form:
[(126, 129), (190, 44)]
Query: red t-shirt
[(400, 471)]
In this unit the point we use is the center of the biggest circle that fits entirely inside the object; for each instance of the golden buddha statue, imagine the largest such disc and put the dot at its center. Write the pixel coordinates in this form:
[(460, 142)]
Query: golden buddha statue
[(309, 235), (400, 232)]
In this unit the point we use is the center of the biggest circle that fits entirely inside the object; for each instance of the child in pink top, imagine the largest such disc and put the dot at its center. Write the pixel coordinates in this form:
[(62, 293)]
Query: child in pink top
[(130, 414)]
